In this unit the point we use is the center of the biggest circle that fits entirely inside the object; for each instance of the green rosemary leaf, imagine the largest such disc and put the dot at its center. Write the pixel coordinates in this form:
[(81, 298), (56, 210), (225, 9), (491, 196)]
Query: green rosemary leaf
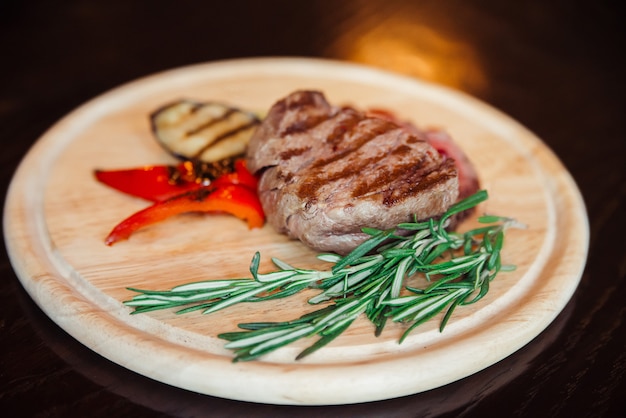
[(494, 257), (413, 226), (490, 219), (398, 252), (362, 249), (341, 288), (449, 312), (478, 231), (329, 257), (399, 277), (437, 284), (143, 309), (376, 312), (371, 231), (244, 296), (484, 288), (426, 310), (436, 252), (285, 292), (467, 203), (420, 307), (339, 310), (249, 339), (286, 338), (321, 342), (281, 264), (199, 307), (275, 275), (254, 264), (372, 280), (251, 326), (191, 288), (253, 351)]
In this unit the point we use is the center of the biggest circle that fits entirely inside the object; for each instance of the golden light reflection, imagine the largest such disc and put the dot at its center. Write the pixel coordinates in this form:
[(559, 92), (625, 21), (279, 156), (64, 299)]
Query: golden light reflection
[(408, 47)]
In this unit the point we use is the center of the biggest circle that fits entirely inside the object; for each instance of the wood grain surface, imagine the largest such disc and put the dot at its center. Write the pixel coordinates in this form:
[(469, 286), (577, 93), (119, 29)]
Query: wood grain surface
[(55, 223)]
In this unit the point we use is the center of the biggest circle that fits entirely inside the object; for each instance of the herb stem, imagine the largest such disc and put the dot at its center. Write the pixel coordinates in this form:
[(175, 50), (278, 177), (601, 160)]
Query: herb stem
[(371, 280)]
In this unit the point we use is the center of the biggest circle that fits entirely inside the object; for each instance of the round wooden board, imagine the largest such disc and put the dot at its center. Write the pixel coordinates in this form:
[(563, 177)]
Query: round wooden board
[(56, 217)]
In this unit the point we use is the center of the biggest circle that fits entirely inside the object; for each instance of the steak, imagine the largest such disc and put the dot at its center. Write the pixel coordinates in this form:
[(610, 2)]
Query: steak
[(327, 172), (443, 143)]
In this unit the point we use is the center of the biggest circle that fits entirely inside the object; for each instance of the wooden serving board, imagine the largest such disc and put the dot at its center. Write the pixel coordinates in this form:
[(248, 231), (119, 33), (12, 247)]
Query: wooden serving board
[(57, 216)]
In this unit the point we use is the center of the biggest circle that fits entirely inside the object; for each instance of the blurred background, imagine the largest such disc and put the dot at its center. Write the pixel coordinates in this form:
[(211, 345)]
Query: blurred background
[(541, 54), (534, 60)]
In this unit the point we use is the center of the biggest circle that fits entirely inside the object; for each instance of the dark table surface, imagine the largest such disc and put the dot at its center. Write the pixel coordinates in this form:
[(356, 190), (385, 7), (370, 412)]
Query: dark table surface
[(557, 67)]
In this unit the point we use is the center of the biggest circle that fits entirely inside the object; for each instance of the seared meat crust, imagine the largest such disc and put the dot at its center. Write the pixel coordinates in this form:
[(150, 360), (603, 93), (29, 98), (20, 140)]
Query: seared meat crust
[(327, 172)]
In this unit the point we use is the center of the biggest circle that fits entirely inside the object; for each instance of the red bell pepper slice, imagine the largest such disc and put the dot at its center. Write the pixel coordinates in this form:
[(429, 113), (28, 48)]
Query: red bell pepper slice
[(154, 183), (237, 200), (161, 182), (241, 176)]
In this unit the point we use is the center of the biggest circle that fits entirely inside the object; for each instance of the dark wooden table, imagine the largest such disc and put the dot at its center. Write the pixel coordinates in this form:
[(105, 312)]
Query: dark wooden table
[(557, 67)]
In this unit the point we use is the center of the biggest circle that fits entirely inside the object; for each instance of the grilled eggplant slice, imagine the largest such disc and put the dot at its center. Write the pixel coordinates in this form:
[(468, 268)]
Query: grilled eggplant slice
[(205, 132)]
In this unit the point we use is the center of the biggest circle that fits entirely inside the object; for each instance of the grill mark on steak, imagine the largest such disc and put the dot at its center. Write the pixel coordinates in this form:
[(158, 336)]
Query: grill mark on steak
[(350, 164), (401, 181), (308, 189), (395, 195), (293, 152), (344, 128), (386, 177), (302, 125), (353, 142), (327, 172)]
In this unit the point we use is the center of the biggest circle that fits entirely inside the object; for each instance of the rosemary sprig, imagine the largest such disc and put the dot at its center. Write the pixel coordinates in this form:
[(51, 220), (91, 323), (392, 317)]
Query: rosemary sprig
[(371, 280)]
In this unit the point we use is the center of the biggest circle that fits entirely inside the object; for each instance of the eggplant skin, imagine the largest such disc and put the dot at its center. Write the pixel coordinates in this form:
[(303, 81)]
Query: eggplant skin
[(203, 131)]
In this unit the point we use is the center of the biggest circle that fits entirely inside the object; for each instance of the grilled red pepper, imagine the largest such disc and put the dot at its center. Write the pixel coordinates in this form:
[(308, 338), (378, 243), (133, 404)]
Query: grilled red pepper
[(161, 182), (153, 183), (241, 176), (235, 199)]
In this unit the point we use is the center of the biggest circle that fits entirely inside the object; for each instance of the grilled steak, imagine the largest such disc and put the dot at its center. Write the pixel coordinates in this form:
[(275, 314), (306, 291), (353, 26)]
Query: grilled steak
[(327, 172), (443, 143)]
